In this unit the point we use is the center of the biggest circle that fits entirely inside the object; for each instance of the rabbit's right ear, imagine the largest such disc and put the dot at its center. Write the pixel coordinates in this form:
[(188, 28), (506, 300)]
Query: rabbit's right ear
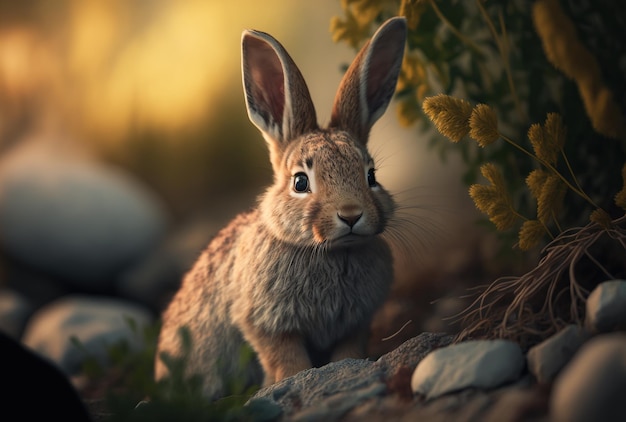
[(370, 81), (277, 98)]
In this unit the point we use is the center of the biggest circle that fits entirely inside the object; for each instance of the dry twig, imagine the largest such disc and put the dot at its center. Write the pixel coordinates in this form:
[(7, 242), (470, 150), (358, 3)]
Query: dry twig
[(513, 307)]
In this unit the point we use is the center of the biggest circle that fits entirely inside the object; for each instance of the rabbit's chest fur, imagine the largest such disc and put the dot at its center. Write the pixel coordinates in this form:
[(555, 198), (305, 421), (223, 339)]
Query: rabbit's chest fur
[(320, 294)]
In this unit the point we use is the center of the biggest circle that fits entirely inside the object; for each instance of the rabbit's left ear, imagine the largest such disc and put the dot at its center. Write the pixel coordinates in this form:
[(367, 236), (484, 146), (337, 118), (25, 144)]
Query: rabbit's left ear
[(277, 98), (370, 82)]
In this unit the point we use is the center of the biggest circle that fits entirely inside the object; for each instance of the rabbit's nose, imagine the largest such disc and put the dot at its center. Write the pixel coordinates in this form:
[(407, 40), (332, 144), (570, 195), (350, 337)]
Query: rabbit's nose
[(350, 215)]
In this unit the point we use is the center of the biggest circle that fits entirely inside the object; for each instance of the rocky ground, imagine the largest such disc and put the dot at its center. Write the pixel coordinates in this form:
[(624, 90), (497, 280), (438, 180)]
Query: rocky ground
[(577, 374), (487, 381)]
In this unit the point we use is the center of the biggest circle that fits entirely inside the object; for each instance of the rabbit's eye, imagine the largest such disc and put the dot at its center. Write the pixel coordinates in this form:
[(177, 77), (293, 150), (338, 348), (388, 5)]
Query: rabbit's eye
[(301, 183), (371, 178)]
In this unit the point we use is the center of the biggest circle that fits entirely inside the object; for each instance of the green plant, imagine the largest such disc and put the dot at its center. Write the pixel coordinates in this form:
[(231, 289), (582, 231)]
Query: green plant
[(126, 382)]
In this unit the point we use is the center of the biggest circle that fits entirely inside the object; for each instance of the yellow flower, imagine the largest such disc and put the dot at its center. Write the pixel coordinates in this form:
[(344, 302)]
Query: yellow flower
[(530, 234), (491, 173), (494, 200), (450, 115), (544, 148), (484, 125), (535, 181), (554, 130), (601, 217), (483, 196), (501, 215), (551, 198)]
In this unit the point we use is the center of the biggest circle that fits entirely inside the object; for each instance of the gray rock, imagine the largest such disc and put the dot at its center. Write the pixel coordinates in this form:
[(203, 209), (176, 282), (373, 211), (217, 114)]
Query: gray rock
[(96, 323), (329, 392), (313, 387), (412, 351), (161, 271), (518, 401), (476, 363), (14, 311), (77, 219), (606, 307), (339, 404), (591, 387), (546, 359)]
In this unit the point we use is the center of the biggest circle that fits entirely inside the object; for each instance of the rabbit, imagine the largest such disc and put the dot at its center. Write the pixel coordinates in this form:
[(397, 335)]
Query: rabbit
[(300, 276)]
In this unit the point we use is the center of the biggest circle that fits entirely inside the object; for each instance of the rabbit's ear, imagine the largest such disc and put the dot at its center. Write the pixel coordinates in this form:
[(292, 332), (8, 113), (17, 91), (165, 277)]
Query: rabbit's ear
[(277, 98), (369, 83)]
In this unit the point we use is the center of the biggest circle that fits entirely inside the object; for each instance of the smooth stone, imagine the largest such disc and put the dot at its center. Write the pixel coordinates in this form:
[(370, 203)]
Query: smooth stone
[(547, 358), (153, 279), (95, 323), (75, 218), (471, 364), (592, 386), (606, 307)]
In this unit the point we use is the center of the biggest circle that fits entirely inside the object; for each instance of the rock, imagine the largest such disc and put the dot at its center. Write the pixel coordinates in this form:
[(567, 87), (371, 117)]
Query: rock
[(340, 403), (96, 323), (412, 351), (329, 392), (519, 402), (606, 307), (476, 363), (514, 402), (313, 388), (546, 359), (592, 386), (14, 311), (74, 218), (151, 279)]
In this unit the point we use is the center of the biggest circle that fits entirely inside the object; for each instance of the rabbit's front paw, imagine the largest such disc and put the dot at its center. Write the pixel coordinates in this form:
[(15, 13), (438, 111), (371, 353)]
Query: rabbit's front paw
[(281, 356), (290, 367)]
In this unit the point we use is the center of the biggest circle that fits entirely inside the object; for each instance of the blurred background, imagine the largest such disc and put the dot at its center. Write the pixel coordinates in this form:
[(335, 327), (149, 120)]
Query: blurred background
[(156, 87), (125, 144)]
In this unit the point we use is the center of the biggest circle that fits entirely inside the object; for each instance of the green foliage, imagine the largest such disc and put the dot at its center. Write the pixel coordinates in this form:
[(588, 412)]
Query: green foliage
[(134, 365), (132, 394), (501, 53)]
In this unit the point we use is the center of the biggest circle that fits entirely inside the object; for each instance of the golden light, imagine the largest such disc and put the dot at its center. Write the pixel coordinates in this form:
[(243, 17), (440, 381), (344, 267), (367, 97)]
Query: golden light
[(116, 64)]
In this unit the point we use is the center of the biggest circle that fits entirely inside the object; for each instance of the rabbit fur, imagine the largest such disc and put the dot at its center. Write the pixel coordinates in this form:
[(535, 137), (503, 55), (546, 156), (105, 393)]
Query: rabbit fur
[(299, 277)]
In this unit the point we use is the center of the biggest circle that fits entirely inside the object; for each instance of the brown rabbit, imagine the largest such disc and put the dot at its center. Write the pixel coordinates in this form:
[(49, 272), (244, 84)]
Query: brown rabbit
[(300, 276)]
